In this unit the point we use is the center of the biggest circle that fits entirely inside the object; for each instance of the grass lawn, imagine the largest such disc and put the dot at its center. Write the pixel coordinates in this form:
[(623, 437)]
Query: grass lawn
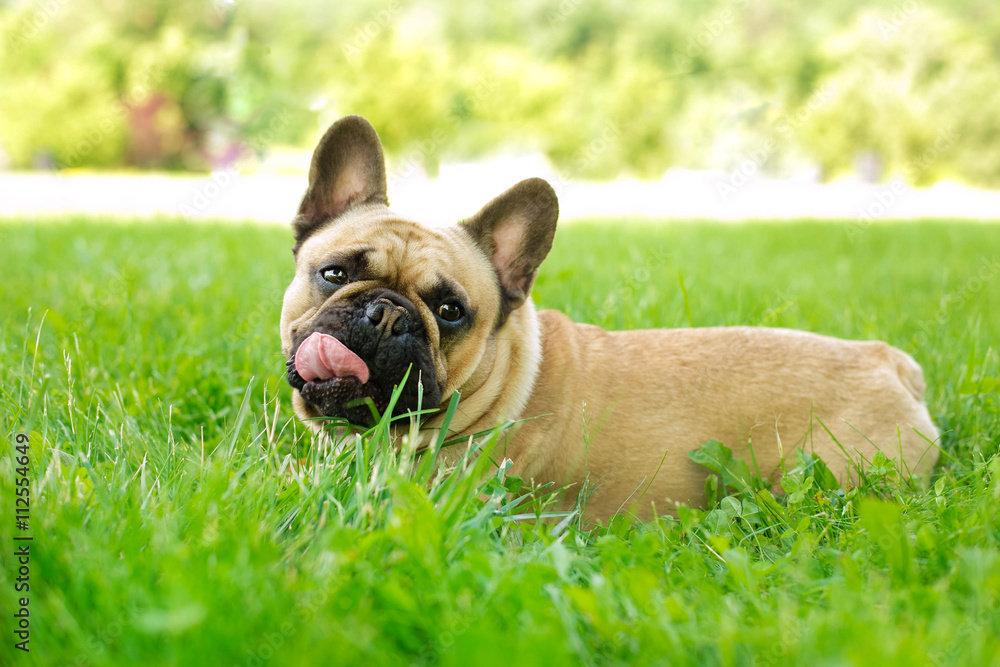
[(173, 523)]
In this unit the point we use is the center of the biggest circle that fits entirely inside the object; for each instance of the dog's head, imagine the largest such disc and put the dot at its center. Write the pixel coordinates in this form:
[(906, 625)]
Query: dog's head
[(375, 294)]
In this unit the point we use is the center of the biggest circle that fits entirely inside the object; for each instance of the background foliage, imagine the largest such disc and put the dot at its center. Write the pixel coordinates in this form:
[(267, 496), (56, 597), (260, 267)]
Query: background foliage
[(904, 87)]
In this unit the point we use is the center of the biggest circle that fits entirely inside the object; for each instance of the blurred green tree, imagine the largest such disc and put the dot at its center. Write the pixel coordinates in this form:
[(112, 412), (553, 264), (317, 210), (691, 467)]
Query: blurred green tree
[(603, 87)]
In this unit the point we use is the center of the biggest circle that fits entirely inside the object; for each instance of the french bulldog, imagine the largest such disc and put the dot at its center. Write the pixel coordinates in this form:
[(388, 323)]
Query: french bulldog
[(375, 295)]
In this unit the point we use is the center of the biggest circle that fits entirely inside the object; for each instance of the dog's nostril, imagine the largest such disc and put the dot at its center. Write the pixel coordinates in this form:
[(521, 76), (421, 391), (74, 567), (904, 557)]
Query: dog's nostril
[(402, 323), (375, 312)]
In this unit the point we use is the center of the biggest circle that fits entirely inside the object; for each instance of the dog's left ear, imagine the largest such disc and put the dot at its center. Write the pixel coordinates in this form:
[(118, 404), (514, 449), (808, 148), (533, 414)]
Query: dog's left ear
[(348, 169), (515, 231)]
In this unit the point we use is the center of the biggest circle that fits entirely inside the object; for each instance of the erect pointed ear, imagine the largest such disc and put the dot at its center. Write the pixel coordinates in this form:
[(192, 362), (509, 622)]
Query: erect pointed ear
[(515, 230), (348, 169)]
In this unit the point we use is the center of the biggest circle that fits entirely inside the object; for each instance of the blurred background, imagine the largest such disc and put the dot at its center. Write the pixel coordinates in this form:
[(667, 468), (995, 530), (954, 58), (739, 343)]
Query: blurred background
[(902, 94)]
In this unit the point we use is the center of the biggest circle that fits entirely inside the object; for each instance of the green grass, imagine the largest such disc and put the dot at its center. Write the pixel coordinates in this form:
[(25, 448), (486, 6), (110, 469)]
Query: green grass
[(172, 526)]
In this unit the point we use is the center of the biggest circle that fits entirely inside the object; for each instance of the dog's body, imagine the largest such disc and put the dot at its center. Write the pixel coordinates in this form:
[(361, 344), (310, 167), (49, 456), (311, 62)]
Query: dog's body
[(375, 294), (619, 401)]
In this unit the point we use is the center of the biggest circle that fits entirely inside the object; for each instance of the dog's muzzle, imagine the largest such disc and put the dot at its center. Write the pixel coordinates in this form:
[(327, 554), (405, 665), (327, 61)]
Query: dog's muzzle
[(384, 329)]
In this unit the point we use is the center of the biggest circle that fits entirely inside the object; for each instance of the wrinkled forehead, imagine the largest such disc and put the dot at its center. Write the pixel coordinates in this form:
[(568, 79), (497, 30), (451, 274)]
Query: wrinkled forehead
[(405, 254)]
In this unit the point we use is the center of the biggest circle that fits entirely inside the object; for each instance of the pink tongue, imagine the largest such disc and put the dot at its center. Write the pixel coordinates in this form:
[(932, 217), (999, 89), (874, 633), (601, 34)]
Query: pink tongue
[(323, 357)]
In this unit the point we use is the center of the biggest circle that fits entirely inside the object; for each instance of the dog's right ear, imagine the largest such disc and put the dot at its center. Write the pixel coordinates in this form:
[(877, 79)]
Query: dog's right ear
[(347, 170), (515, 231)]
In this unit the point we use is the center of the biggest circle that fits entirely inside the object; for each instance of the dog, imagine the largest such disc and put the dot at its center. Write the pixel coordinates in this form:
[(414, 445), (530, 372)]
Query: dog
[(375, 295)]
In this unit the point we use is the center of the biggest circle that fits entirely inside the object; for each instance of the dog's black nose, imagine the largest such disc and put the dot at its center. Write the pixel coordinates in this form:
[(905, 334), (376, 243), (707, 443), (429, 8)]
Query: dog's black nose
[(391, 312)]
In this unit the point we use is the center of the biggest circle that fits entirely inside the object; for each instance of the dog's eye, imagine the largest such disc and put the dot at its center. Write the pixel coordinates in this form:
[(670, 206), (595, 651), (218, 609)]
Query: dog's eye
[(335, 275), (449, 311)]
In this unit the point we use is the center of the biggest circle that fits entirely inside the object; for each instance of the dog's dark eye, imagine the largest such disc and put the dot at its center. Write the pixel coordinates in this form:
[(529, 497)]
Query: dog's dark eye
[(449, 311), (335, 275)]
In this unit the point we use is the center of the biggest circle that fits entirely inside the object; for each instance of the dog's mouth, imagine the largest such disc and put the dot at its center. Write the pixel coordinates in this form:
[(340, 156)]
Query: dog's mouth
[(333, 379), (354, 360), (323, 357)]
